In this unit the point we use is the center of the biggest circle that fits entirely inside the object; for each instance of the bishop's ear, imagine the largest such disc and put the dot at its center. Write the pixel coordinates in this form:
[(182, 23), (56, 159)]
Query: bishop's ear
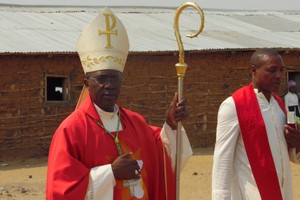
[(253, 68)]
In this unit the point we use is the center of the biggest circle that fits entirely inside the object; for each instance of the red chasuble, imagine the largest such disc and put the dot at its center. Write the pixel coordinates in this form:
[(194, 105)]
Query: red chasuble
[(256, 143), (79, 144)]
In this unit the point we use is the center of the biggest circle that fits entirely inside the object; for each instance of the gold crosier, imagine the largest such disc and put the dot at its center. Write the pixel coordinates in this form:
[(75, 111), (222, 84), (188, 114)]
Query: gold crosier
[(181, 69)]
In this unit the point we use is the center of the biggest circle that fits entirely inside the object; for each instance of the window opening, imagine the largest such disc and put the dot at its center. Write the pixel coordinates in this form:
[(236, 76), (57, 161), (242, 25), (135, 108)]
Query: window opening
[(56, 89)]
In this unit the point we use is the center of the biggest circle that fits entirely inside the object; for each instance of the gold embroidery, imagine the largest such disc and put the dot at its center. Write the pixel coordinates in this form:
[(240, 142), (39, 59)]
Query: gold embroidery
[(89, 62), (109, 29)]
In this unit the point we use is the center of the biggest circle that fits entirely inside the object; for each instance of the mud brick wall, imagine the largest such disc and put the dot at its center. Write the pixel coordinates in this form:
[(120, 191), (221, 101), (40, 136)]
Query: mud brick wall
[(27, 122)]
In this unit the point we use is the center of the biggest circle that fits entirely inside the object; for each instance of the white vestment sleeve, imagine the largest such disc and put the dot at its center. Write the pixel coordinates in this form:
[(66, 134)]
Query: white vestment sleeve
[(168, 137), (228, 132), (101, 183), (294, 157)]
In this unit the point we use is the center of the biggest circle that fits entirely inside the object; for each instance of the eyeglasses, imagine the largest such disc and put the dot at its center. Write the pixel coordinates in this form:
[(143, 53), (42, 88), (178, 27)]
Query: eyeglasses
[(103, 80)]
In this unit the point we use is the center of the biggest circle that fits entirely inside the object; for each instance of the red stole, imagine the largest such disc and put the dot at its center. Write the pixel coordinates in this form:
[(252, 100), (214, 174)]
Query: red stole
[(256, 143)]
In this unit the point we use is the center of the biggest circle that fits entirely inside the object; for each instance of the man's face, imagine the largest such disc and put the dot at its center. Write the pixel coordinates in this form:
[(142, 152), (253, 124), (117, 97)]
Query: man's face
[(292, 89), (104, 87), (267, 77)]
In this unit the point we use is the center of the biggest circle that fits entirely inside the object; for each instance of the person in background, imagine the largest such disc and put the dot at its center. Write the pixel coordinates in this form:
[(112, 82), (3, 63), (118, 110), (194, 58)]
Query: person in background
[(291, 99), (102, 150), (251, 157)]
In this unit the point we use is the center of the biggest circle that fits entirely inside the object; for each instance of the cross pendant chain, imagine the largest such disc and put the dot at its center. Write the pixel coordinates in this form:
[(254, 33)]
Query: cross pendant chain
[(117, 142), (116, 138)]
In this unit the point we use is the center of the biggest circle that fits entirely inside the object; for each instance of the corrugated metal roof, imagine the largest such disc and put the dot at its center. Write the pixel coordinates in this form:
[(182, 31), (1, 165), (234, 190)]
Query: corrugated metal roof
[(56, 29)]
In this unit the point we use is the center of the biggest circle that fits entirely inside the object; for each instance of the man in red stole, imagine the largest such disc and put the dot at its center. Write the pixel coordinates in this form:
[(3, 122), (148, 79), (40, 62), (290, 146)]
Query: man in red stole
[(103, 151), (251, 158)]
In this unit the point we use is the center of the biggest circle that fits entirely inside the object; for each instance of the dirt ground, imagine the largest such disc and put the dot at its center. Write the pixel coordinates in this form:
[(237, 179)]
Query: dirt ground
[(25, 179)]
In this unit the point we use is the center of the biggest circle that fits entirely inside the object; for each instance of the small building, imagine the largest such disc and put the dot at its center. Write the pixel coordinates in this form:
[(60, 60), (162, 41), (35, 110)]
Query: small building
[(41, 75)]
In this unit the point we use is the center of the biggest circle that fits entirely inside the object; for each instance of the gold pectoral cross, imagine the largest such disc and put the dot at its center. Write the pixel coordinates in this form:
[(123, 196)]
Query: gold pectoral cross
[(109, 29), (131, 184)]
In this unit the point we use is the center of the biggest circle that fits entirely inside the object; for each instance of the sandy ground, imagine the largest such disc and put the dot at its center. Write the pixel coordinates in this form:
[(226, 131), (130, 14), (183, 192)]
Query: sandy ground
[(25, 179)]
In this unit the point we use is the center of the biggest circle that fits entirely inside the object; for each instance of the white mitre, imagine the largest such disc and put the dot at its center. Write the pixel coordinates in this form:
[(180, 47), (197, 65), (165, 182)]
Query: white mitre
[(103, 44)]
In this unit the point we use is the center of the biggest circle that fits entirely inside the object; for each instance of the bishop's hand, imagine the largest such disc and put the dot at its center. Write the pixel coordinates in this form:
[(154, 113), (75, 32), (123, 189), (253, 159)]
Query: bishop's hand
[(125, 168), (177, 112)]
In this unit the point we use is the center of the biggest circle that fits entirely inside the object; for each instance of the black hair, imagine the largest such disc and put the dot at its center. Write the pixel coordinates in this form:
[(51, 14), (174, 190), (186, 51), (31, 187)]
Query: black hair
[(257, 58)]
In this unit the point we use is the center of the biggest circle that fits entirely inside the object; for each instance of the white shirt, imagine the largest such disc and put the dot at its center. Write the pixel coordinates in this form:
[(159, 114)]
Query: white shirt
[(232, 177), (290, 99)]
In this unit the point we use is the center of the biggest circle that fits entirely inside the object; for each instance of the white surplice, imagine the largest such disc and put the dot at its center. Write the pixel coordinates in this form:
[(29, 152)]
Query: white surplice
[(232, 178)]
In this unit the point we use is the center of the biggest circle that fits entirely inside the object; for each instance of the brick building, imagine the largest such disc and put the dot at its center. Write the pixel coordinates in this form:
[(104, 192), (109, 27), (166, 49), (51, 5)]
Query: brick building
[(41, 75)]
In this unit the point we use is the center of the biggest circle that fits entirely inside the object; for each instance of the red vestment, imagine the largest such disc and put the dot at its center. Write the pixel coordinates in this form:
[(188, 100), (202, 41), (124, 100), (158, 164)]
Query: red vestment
[(79, 144), (256, 142)]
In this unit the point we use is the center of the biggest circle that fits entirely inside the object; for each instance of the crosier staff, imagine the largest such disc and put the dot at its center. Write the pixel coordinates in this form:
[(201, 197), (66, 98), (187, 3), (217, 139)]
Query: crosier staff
[(181, 69)]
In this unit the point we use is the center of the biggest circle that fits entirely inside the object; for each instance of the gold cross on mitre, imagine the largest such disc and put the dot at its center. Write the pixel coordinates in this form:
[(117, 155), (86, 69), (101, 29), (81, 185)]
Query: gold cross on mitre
[(109, 29)]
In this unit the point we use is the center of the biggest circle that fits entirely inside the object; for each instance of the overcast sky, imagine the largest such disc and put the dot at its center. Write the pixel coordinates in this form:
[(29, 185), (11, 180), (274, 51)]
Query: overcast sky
[(205, 4)]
